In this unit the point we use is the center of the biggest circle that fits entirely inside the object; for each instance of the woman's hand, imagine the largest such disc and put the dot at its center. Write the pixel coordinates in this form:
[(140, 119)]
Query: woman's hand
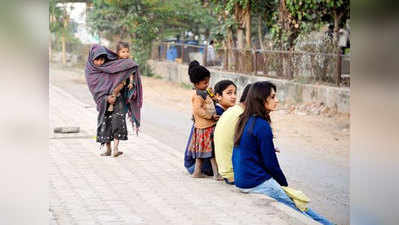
[(215, 117), (111, 99), (130, 86)]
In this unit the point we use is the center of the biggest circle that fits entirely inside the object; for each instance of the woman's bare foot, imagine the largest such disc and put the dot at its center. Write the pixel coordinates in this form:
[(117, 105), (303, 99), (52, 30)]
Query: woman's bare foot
[(109, 150), (116, 154), (106, 153), (200, 175)]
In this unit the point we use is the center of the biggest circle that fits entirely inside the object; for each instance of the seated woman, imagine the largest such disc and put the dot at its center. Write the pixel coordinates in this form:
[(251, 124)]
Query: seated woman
[(224, 138), (255, 164)]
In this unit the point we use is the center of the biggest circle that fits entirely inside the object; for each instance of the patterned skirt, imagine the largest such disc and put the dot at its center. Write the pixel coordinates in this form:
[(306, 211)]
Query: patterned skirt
[(201, 144), (114, 125)]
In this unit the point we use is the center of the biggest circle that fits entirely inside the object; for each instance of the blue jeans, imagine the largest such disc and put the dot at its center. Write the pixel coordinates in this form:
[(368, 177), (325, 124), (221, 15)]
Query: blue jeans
[(272, 189)]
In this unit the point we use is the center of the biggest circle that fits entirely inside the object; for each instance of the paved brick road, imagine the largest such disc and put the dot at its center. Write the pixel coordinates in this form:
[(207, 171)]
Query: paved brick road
[(146, 185)]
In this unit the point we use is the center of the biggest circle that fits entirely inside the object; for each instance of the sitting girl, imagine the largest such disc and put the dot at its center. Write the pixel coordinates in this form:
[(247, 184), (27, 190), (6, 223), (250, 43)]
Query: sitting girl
[(226, 95), (255, 164)]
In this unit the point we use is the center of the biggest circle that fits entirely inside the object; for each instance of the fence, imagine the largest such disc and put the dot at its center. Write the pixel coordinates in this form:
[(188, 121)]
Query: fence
[(302, 66)]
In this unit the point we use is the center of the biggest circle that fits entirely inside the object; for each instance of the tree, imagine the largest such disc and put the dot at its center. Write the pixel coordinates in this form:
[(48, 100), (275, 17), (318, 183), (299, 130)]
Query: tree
[(142, 22), (130, 20), (59, 19), (340, 13), (238, 11)]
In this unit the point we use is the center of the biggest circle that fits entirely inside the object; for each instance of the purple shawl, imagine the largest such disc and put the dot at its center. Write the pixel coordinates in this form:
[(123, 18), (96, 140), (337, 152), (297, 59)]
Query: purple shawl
[(103, 79)]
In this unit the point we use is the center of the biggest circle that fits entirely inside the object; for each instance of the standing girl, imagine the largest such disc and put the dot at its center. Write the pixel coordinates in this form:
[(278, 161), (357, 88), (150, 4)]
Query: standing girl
[(205, 117)]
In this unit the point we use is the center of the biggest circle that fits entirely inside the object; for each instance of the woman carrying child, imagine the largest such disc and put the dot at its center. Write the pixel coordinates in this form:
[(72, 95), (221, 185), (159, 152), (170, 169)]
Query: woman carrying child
[(106, 77)]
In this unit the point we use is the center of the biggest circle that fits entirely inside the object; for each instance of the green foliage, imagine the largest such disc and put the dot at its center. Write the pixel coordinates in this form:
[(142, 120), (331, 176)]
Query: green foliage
[(60, 26), (304, 16), (55, 14), (142, 22)]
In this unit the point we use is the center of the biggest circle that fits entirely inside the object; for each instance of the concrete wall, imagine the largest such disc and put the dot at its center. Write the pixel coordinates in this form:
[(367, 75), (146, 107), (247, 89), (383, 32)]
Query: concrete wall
[(288, 92)]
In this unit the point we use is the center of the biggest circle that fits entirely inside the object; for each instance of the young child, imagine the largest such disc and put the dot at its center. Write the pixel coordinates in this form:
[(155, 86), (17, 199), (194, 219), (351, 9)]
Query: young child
[(226, 95), (205, 117), (122, 49)]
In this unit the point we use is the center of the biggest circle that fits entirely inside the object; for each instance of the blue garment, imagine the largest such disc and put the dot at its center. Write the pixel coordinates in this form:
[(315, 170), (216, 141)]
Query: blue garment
[(189, 162), (255, 160), (272, 189), (219, 110), (171, 54)]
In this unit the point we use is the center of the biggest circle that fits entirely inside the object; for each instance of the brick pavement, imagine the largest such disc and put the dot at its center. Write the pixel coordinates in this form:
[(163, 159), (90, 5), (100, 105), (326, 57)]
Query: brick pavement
[(146, 185)]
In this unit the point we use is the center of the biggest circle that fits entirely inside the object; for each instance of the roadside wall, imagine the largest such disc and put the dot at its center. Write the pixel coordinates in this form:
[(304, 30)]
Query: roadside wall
[(288, 92)]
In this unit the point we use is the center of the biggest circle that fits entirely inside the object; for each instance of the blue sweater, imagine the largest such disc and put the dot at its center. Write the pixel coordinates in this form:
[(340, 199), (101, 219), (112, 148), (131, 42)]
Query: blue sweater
[(219, 110), (255, 160)]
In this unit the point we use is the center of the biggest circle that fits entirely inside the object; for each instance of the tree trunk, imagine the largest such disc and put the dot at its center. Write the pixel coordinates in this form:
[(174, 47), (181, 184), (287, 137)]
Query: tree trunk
[(283, 16), (63, 49), (263, 56), (248, 56), (240, 38), (63, 37), (260, 36), (226, 56), (247, 22), (337, 20), (239, 53), (230, 46), (49, 49)]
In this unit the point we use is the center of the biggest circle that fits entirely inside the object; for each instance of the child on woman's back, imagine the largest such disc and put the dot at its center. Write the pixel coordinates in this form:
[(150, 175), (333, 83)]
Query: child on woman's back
[(226, 95), (122, 49), (205, 117)]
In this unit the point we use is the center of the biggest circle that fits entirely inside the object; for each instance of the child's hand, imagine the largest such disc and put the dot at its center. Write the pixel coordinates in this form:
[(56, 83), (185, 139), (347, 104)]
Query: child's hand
[(215, 117), (210, 92)]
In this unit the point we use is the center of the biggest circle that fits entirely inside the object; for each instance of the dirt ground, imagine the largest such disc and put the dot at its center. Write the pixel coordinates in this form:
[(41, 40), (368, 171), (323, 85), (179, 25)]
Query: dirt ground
[(318, 131)]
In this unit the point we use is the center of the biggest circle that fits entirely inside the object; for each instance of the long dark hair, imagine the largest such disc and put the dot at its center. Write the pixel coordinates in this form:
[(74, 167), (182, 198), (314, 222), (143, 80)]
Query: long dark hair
[(254, 106), (245, 93)]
